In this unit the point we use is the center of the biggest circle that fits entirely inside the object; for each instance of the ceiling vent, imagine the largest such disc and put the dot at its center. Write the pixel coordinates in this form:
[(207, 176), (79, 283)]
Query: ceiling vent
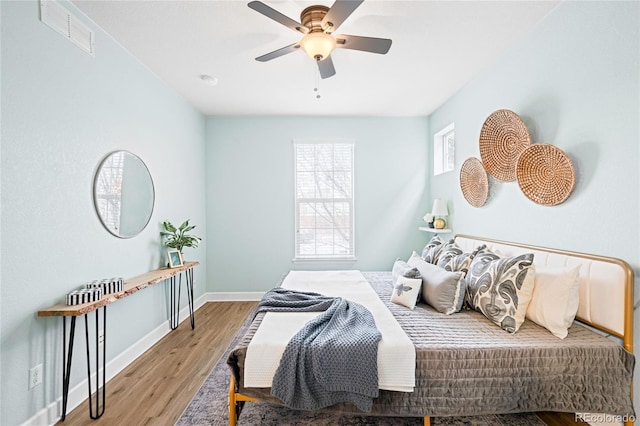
[(60, 19)]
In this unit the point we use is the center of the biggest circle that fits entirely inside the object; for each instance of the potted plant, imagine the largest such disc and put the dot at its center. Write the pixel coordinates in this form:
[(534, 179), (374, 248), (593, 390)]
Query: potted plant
[(179, 237)]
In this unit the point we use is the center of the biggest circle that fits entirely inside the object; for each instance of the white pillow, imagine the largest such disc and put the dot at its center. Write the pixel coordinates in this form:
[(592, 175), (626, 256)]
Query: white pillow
[(555, 298), (406, 291)]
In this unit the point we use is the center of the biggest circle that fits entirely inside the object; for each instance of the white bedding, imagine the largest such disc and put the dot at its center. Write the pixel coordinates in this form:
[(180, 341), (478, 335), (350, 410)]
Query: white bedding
[(396, 353)]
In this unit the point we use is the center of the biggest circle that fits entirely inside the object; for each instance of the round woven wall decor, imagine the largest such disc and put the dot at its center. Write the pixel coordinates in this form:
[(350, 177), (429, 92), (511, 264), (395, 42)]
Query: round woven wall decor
[(545, 174), (474, 182), (503, 137)]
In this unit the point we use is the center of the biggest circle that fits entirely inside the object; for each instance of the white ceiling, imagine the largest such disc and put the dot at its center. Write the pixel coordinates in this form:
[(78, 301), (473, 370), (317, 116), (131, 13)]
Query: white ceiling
[(438, 46)]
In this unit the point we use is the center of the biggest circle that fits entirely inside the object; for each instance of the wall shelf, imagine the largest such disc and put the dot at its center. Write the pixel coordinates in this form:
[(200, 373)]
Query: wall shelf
[(434, 230)]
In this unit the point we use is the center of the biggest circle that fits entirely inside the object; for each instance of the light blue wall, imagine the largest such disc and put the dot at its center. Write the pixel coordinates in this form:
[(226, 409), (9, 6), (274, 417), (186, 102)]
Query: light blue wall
[(250, 194), (575, 82), (62, 112)]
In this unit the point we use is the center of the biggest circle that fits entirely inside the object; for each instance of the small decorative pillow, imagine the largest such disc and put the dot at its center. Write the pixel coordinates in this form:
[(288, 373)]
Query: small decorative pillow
[(443, 290), (403, 269), (451, 257), (406, 291), (501, 288), (431, 251), (555, 298)]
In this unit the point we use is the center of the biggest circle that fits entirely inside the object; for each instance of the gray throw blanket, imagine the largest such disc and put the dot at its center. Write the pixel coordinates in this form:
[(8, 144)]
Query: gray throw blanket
[(334, 358)]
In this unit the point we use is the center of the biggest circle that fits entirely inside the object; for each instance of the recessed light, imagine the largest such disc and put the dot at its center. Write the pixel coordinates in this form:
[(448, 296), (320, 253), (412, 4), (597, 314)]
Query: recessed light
[(207, 79)]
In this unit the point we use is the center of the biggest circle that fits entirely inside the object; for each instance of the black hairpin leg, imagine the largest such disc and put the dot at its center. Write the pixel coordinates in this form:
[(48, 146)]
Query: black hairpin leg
[(101, 390), (67, 353), (175, 303), (189, 273)]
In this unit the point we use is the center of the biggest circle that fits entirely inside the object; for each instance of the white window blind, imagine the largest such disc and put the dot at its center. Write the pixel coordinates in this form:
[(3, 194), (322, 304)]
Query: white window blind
[(324, 200), (108, 190)]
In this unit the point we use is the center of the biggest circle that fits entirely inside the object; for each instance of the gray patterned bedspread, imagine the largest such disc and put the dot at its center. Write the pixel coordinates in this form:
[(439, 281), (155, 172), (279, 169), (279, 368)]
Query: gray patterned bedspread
[(465, 365)]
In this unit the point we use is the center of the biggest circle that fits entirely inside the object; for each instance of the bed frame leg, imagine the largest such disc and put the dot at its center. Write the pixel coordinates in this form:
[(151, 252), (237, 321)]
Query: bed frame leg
[(232, 401), (427, 421)]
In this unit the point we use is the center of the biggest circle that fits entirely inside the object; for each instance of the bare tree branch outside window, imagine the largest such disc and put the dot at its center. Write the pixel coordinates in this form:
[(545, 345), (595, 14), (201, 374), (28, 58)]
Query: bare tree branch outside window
[(324, 200), (109, 190)]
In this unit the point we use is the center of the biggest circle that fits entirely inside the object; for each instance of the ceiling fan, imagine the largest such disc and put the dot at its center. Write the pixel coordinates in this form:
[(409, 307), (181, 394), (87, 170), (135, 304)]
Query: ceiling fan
[(317, 23)]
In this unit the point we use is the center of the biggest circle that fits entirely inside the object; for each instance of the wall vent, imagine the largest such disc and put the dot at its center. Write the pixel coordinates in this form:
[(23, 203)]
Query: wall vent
[(62, 21)]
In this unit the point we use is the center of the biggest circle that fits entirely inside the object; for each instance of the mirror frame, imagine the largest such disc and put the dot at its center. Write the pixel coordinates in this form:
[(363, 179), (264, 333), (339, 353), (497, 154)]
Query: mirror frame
[(95, 194)]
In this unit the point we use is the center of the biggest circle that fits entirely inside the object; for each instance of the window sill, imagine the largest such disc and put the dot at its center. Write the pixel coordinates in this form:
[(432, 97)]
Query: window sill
[(325, 260)]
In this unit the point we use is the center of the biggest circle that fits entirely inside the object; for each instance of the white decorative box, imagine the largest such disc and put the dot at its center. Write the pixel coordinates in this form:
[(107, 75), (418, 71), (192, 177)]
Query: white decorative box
[(86, 295), (108, 285)]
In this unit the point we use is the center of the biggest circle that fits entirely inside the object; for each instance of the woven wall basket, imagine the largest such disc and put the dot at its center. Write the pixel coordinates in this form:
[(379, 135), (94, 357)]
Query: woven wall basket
[(503, 137), (474, 182), (545, 174)]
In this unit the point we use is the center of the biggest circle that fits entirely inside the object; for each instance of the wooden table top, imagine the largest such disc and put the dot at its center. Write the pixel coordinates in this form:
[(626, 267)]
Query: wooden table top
[(130, 286)]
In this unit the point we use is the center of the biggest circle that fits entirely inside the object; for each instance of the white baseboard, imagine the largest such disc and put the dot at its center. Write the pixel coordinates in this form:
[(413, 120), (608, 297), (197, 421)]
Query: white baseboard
[(239, 296)]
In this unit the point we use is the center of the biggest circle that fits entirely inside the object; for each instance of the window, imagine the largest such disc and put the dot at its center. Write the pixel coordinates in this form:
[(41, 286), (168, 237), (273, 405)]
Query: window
[(443, 150), (108, 190), (324, 200)]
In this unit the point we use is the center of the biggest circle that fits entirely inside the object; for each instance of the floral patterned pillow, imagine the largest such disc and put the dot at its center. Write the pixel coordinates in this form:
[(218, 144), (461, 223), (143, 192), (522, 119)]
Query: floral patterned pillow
[(431, 251), (452, 258), (501, 287)]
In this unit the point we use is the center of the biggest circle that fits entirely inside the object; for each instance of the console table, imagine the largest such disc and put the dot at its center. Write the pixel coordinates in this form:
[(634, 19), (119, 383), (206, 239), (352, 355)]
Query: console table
[(130, 286)]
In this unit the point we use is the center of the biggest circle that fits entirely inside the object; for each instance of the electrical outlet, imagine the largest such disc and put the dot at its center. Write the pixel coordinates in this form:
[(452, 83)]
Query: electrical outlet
[(100, 337), (35, 376)]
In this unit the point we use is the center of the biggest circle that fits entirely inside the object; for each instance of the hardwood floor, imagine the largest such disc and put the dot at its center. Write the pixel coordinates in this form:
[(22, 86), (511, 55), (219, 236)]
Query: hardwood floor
[(560, 419), (156, 388)]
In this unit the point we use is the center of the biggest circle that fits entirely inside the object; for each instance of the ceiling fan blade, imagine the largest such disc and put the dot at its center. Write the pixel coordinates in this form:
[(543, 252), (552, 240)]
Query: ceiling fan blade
[(366, 44), (277, 53), (338, 13), (270, 12), (326, 68)]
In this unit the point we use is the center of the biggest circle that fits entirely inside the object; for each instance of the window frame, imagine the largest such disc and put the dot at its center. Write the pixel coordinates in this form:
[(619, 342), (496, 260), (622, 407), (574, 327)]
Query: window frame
[(442, 155), (317, 258)]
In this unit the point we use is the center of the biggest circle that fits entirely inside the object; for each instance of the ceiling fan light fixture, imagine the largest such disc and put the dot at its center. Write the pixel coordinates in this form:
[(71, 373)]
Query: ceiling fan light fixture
[(318, 45)]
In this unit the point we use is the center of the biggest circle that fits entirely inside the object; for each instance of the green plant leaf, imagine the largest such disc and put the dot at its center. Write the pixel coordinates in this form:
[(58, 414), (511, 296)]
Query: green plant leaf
[(168, 226)]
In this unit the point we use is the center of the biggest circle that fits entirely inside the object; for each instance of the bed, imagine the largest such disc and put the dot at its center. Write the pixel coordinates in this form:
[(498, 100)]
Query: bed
[(465, 365)]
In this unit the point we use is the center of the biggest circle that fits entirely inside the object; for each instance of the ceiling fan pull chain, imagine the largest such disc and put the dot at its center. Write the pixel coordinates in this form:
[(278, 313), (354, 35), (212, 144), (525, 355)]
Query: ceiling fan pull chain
[(316, 88)]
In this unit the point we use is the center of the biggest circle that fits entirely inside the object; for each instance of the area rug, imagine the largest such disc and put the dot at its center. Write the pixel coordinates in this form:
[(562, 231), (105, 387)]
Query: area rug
[(209, 407)]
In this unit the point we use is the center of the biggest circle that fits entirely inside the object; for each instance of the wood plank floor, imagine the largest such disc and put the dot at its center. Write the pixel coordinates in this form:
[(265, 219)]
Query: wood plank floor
[(157, 387)]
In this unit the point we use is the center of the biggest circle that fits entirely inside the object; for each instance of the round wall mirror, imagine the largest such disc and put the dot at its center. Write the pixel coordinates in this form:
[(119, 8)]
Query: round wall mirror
[(123, 194)]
